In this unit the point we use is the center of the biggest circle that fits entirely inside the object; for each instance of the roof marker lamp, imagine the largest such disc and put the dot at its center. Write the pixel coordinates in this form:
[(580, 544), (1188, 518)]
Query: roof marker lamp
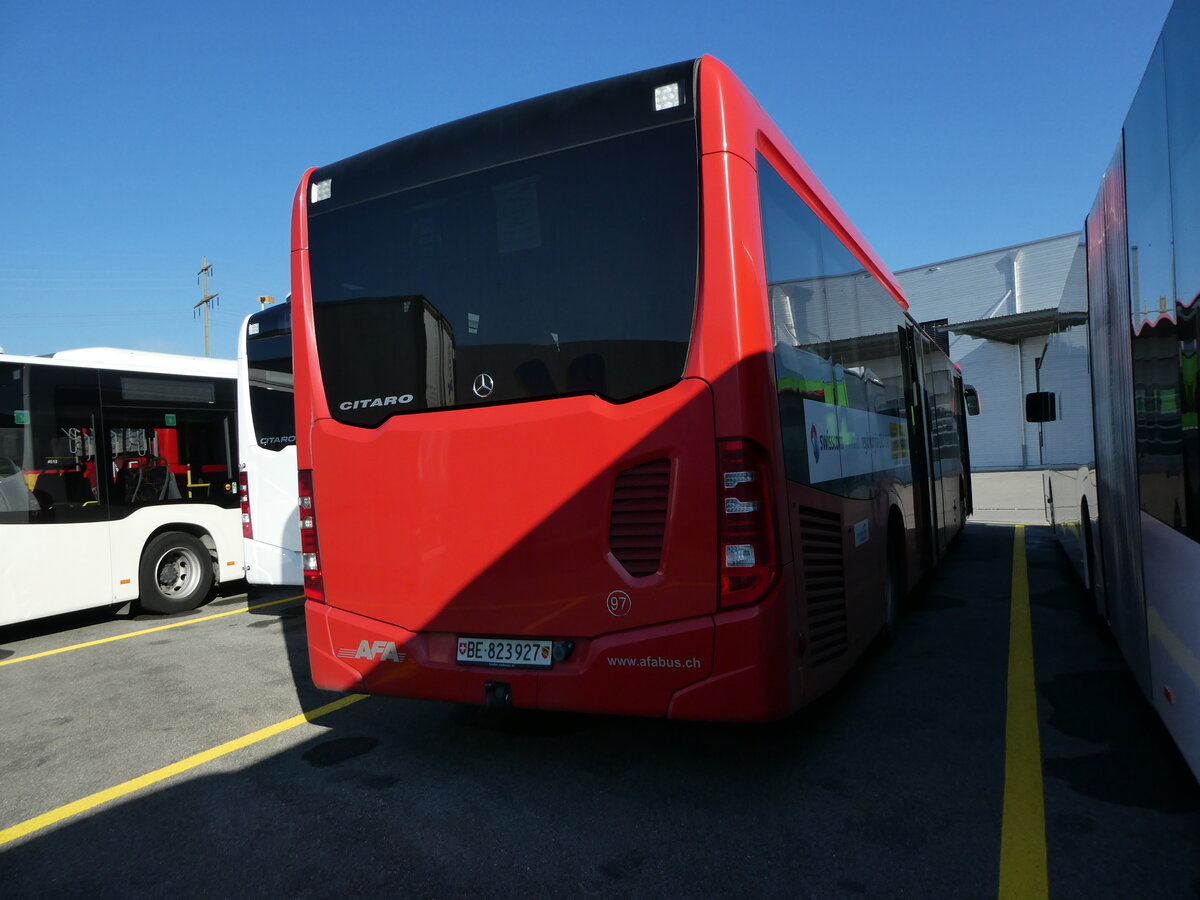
[(668, 96)]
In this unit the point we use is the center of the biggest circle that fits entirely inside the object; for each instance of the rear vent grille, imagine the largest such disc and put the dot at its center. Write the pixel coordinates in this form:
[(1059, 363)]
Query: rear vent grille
[(824, 584), (639, 516)]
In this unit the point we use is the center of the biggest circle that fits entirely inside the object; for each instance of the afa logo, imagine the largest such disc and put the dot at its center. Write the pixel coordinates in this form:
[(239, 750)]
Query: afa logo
[(816, 443), (384, 651)]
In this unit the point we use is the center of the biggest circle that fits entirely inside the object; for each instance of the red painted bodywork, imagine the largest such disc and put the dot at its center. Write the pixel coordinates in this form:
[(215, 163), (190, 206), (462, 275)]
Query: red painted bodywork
[(493, 521)]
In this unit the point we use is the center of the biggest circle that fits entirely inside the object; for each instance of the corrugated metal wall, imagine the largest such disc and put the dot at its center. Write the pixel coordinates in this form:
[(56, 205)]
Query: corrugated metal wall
[(1068, 440), (1031, 350), (993, 369), (1039, 275)]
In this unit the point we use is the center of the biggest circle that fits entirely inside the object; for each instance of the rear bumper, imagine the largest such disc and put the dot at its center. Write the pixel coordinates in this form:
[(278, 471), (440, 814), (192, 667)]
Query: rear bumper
[(709, 667), (269, 564)]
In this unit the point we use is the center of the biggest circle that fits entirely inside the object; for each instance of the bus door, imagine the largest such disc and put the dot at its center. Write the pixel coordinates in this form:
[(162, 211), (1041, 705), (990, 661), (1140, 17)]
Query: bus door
[(938, 425), (53, 496), (924, 504), (961, 413)]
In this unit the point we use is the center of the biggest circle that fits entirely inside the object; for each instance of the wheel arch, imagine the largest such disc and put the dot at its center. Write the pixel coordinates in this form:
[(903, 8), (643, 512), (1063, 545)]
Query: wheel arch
[(895, 590), (202, 534), (196, 531), (897, 542)]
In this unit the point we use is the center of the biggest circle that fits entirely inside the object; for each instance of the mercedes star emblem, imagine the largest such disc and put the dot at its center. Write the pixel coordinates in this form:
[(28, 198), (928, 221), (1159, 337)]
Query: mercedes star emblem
[(483, 386)]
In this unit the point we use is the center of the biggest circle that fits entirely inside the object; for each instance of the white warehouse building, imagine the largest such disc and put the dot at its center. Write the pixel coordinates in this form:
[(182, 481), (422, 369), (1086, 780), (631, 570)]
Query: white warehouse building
[(997, 309)]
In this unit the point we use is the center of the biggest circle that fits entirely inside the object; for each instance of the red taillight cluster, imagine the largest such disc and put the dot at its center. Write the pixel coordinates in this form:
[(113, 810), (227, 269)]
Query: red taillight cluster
[(746, 530), (314, 583), (244, 494)]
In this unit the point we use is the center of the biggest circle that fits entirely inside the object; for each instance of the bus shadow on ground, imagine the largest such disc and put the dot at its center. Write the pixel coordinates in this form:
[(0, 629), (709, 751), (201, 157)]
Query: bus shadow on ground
[(280, 610), (890, 785), (1102, 738)]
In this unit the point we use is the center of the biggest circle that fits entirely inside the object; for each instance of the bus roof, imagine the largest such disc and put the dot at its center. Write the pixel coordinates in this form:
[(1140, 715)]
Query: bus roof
[(135, 360)]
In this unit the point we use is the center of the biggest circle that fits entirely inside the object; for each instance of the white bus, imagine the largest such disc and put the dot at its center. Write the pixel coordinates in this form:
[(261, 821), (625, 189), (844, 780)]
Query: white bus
[(118, 474), (267, 426), (1130, 513)]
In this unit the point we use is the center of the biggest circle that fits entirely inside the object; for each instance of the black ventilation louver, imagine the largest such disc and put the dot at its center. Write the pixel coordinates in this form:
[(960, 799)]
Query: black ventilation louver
[(824, 584), (639, 516)]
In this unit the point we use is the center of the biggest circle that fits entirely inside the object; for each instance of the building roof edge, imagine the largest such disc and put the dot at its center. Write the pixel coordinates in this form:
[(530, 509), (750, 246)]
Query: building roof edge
[(944, 262)]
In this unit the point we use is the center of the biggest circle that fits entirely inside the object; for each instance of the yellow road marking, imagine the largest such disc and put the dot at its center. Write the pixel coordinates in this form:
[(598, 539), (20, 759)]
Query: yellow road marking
[(136, 784), (121, 637), (1023, 872)]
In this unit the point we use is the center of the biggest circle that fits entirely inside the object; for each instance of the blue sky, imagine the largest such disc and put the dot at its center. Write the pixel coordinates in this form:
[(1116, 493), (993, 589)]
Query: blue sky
[(139, 137)]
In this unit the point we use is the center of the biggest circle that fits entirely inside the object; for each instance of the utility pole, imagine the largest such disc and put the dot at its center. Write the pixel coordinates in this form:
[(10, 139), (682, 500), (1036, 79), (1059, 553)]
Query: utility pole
[(205, 297)]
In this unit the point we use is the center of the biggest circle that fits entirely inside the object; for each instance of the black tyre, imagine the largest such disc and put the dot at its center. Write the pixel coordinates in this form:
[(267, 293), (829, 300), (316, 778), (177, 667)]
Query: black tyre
[(893, 591), (176, 573), (1090, 562)]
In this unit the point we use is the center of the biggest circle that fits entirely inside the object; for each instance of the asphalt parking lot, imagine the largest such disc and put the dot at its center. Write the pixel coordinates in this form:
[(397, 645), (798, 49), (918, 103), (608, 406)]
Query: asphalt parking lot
[(154, 757)]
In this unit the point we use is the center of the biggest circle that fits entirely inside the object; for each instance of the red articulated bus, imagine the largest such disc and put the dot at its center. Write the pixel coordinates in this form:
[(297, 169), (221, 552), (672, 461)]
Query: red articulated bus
[(604, 405)]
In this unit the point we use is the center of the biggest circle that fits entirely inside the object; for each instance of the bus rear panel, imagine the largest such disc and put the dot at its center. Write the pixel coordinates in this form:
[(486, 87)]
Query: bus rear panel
[(552, 457), (267, 430)]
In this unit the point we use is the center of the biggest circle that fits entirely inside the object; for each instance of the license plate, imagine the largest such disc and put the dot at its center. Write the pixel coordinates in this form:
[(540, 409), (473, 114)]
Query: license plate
[(505, 652)]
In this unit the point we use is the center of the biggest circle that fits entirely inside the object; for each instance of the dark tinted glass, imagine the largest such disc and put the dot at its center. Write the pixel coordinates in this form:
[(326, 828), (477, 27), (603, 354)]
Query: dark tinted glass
[(1148, 200), (571, 118), (78, 445), (942, 392), (1182, 72), (269, 358), (837, 352), (1164, 322), (1183, 126), (168, 438), (49, 471), (571, 272)]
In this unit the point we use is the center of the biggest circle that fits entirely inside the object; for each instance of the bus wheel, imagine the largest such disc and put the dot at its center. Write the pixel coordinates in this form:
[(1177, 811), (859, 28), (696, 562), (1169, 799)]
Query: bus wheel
[(175, 573), (1090, 563)]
